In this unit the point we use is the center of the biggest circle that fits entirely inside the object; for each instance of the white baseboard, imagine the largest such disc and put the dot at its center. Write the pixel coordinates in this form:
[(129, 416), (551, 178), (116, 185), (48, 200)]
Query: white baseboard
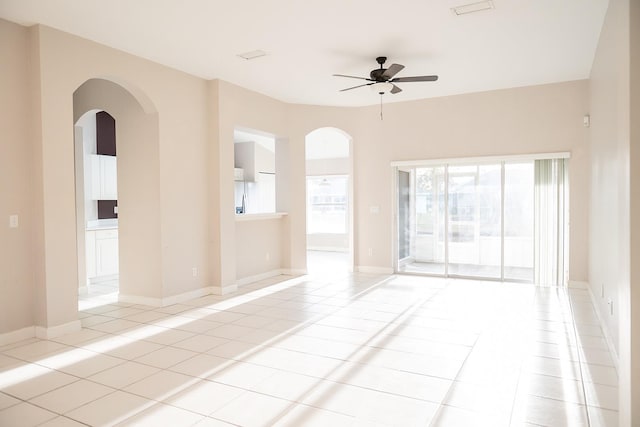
[(98, 280), (56, 331), (258, 277), (17, 335), (603, 326), (186, 296), (163, 302), (328, 249), (577, 284), (135, 299), (294, 271), (223, 290), (374, 270)]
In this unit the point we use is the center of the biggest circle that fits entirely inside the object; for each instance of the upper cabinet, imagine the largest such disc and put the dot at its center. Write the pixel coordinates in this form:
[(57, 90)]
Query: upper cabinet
[(104, 177), (104, 181), (105, 134), (254, 159)]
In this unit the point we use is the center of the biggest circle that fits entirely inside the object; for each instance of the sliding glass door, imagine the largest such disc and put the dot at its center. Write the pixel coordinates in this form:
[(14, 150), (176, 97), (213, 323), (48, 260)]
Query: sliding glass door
[(474, 217), (518, 221), (472, 220)]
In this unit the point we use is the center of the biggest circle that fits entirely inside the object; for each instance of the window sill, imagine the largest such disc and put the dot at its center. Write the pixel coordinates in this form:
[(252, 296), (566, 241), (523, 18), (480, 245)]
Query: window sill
[(260, 216)]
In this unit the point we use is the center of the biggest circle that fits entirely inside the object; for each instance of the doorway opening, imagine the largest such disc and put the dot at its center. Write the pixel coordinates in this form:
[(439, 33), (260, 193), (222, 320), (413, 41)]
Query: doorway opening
[(96, 208), (494, 220), (329, 201)]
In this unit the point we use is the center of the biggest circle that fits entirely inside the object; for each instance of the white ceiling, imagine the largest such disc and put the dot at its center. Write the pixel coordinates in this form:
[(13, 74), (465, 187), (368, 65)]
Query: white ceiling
[(519, 43)]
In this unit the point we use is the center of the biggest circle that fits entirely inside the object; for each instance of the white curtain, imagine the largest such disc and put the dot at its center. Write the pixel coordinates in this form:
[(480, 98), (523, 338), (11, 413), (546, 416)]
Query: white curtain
[(550, 222)]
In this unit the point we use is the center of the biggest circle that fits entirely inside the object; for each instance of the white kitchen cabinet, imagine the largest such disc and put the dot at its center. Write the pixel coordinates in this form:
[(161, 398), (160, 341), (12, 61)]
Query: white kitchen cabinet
[(104, 177), (102, 253)]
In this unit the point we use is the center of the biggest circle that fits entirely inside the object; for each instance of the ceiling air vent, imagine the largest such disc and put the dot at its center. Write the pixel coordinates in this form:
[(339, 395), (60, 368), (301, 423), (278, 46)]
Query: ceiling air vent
[(473, 7), (253, 54)]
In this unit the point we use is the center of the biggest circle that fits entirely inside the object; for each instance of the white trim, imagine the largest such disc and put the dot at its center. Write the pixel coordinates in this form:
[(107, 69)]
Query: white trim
[(408, 260), (163, 302), (17, 335), (603, 325), (374, 270), (481, 159), (223, 290), (98, 280), (56, 331), (257, 277), (186, 296), (135, 299), (293, 272), (577, 284), (259, 216), (340, 249)]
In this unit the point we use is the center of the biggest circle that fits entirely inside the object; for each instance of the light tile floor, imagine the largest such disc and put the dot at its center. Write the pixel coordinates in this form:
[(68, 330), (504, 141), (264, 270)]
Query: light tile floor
[(345, 350)]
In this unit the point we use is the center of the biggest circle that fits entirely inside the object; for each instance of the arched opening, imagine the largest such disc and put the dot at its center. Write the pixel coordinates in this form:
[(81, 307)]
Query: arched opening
[(329, 201), (96, 207), (117, 201)]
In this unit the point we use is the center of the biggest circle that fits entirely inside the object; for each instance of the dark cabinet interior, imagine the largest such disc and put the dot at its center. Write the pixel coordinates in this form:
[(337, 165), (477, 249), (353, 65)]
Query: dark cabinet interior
[(105, 134), (106, 146), (106, 209)]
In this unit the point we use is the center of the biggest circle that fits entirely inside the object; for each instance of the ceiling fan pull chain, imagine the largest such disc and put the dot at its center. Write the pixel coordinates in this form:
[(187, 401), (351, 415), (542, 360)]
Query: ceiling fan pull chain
[(381, 107)]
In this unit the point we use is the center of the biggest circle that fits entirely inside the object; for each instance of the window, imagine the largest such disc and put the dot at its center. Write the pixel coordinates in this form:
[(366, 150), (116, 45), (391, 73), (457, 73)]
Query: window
[(327, 204)]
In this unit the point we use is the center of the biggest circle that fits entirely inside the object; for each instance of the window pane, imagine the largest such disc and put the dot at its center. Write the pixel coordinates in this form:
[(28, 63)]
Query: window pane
[(475, 220), (327, 205), (428, 252), (518, 221)]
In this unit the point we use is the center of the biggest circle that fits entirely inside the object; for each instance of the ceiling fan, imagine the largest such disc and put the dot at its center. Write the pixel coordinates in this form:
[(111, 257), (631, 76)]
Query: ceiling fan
[(382, 78)]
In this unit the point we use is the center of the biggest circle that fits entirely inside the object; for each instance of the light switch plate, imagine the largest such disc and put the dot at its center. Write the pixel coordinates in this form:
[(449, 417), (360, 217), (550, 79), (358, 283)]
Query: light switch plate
[(13, 221)]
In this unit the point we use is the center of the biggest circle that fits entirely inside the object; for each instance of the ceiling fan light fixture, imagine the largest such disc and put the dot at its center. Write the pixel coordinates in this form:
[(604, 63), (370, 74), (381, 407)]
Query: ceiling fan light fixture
[(473, 7), (382, 88)]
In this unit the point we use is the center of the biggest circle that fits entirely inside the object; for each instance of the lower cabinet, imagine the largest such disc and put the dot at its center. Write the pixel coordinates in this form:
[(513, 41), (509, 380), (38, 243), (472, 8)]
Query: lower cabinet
[(102, 253)]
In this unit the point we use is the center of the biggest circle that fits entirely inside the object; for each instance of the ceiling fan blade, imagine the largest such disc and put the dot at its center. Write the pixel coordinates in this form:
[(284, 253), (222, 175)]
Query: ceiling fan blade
[(414, 79), (352, 77), (392, 70), (355, 87), (395, 89)]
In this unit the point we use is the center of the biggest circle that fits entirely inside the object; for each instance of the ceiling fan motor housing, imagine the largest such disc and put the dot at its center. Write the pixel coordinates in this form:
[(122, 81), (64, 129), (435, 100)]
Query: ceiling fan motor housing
[(377, 73), (378, 76)]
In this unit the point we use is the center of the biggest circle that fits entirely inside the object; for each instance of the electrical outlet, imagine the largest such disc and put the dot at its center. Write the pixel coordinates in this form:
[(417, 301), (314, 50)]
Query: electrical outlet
[(610, 302), (370, 251), (194, 271), (13, 221), (267, 256)]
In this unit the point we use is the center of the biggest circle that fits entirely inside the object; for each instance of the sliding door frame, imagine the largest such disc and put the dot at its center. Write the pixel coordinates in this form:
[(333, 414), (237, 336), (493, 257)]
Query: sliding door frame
[(396, 166)]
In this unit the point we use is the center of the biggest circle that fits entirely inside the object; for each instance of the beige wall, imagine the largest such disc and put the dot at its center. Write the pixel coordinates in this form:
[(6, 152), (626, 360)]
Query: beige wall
[(631, 401), (16, 185), (609, 210), (238, 107), (615, 194), (527, 120), (195, 187), (66, 62), (138, 184), (258, 247)]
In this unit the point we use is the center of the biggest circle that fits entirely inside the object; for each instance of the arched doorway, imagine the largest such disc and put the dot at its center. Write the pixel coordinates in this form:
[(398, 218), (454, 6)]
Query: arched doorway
[(329, 201), (121, 244), (96, 207)]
